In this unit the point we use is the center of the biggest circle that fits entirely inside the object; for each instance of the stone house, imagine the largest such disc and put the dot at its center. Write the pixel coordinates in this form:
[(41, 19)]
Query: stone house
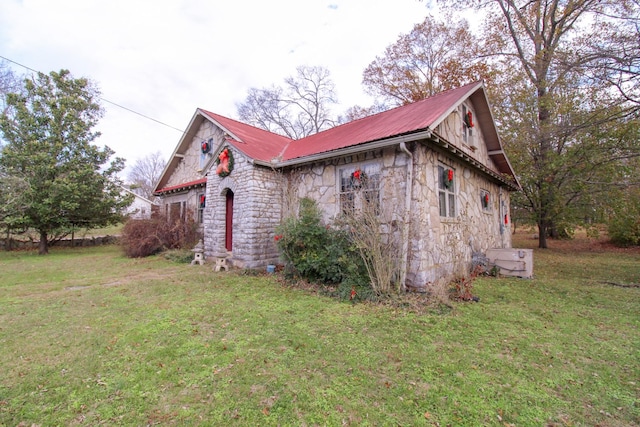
[(435, 170)]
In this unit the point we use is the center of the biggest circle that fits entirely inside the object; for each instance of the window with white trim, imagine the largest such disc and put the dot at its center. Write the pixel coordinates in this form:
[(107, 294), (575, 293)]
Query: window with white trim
[(359, 187), (447, 191)]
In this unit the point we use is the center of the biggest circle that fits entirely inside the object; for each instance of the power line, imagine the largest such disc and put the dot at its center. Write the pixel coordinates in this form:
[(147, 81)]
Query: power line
[(102, 99)]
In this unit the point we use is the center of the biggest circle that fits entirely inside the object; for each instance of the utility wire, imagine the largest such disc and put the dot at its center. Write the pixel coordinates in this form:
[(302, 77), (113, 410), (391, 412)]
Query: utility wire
[(102, 99)]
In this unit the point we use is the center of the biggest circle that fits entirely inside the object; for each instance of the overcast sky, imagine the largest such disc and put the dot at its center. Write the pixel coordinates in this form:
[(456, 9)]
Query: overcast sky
[(165, 58)]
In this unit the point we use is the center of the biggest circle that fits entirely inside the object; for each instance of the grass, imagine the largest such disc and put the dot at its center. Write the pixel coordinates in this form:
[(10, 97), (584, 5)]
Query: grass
[(88, 337)]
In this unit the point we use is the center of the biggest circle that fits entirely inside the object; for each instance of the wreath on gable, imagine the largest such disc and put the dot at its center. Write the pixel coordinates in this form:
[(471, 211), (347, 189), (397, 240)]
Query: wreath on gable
[(225, 163), (468, 119), (206, 146)]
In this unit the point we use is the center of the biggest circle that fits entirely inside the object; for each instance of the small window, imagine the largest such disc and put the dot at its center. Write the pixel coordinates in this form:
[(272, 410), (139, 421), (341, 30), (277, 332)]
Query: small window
[(485, 200), (205, 152), (467, 126), (202, 203), (359, 188), (447, 191)]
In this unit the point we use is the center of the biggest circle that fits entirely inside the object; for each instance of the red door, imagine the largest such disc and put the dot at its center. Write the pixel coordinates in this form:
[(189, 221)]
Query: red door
[(228, 235)]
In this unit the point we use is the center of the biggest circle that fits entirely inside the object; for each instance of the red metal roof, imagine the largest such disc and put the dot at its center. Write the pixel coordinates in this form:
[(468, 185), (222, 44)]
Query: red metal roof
[(266, 146), (256, 143), (183, 186), (398, 121)]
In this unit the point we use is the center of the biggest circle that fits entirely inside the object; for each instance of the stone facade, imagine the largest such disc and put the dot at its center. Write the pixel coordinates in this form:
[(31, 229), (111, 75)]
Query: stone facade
[(257, 211), (437, 191), (437, 247)]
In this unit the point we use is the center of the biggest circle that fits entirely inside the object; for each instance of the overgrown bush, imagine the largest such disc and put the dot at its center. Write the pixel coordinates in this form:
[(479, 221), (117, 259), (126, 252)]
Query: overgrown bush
[(624, 225), (315, 251), (145, 237)]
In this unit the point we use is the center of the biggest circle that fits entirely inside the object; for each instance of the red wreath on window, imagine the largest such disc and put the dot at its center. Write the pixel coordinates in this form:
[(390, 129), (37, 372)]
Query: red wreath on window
[(202, 200), (469, 119), (486, 199), (448, 178), (206, 147)]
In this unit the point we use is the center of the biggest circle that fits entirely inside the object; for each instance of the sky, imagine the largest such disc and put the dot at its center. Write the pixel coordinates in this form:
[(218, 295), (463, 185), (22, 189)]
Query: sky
[(162, 59)]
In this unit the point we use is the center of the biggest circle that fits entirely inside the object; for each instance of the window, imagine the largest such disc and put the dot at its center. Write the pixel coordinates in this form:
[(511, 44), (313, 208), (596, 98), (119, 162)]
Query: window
[(359, 188), (202, 203), (485, 200), (447, 191), (205, 152), (467, 125)]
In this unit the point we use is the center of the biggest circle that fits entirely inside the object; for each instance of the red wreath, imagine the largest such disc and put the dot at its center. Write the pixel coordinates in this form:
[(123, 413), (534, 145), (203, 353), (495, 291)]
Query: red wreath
[(202, 200), (469, 119), (486, 199), (224, 162), (205, 147)]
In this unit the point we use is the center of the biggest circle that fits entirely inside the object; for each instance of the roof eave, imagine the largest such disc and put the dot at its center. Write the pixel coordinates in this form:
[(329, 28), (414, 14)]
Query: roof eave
[(366, 146)]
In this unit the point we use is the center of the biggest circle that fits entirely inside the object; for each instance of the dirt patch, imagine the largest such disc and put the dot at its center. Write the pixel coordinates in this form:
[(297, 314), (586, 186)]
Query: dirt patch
[(579, 243), (136, 277)]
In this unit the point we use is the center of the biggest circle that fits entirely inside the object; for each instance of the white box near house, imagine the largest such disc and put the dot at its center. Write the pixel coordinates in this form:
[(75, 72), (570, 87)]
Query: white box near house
[(512, 262)]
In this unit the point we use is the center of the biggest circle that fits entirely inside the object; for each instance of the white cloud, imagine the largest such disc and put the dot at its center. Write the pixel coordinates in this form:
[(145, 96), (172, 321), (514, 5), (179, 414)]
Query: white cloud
[(165, 59)]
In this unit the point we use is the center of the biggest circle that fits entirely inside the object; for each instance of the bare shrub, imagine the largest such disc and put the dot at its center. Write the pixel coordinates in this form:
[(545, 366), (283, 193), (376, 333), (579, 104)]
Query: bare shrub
[(145, 237), (378, 245)]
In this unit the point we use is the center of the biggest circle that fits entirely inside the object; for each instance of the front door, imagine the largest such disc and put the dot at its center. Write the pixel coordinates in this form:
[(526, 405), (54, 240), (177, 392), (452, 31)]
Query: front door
[(228, 235)]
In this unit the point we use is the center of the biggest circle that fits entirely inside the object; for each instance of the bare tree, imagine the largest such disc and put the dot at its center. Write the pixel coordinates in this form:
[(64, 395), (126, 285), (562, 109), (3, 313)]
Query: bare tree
[(145, 173), (298, 109), (566, 97), (9, 83)]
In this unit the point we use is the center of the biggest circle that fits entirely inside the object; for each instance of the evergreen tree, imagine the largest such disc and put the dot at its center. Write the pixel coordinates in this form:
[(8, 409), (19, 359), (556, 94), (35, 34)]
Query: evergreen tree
[(49, 136)]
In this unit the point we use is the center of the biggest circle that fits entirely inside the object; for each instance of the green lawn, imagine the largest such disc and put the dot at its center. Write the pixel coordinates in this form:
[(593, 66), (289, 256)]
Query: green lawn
[(88, 337)]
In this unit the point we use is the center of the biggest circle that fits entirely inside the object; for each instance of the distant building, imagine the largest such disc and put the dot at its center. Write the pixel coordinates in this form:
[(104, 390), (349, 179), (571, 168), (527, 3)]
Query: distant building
[(141, 207)]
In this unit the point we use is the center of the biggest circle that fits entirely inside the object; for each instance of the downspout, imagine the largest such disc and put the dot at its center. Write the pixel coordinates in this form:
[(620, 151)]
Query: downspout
[(406, 220), (501, 211)]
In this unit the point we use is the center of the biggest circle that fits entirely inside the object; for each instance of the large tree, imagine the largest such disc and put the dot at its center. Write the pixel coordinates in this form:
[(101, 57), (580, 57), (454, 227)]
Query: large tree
[(566, 97), (145, 173), (49, 132), (299, 108), (433, 57)]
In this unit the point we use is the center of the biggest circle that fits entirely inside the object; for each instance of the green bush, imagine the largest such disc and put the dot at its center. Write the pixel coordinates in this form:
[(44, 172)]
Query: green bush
[(318, 252), (624, 225), (180, 256)]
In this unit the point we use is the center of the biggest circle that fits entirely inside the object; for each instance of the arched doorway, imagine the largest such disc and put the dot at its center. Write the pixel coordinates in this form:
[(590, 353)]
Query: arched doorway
[(228, 234)]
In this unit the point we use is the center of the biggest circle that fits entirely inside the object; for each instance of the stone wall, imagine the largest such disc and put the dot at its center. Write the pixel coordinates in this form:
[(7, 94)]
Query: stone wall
[(438, 247), (257, 211)]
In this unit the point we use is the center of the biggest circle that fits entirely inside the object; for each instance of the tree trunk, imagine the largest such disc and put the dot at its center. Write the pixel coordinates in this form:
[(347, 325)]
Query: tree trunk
[(542, 234), (43, 247)]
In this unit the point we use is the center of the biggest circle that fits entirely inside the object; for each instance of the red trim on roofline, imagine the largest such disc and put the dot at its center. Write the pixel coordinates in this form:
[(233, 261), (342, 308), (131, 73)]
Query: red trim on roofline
[(184, 186)]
